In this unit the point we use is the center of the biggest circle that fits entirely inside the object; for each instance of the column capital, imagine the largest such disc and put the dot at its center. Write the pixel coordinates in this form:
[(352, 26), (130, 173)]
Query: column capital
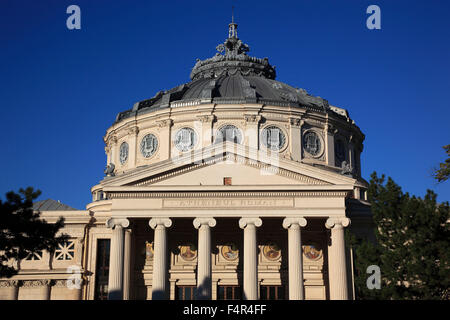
[(198, 222), (296, 122), (154, 222), (243, 222), (288, 222), (121, 222), (337, 221), (252, 118), (134, 130)]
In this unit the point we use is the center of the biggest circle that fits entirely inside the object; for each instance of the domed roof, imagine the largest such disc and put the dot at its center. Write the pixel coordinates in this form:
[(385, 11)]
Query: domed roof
[(233, 77)]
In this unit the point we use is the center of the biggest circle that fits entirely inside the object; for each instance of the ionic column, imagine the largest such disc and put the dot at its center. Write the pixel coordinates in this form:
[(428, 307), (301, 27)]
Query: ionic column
[(115, 280), (295, 262), (127, 266), (204, 284), (250, 257), (160, 278), (336, 258)]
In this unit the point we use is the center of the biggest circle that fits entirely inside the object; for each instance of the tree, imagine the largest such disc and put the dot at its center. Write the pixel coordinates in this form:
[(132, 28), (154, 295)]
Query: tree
[(443, 172), (22, 232), (413, 245)]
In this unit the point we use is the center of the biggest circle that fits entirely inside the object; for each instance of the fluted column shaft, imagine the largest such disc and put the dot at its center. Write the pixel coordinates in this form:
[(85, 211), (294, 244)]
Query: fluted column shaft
[(250, 257), (295, 262), (204, 283), (336, 259), (115, 280), (160, 277), (127, 266)]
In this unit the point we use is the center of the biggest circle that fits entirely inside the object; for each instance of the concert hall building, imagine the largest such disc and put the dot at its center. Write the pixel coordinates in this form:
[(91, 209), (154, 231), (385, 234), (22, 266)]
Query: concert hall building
[(231, 186)]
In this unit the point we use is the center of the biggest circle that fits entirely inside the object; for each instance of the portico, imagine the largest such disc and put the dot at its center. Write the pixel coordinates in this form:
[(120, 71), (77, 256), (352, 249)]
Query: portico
[(198, 211), (251, 279)]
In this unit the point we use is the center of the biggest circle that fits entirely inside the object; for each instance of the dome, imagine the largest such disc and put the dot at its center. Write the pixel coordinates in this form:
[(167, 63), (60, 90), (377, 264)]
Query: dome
[(234, 97), (231, 76)]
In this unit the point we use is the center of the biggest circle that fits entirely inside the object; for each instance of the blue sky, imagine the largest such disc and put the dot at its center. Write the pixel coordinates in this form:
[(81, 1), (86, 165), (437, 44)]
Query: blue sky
[(61, 89)]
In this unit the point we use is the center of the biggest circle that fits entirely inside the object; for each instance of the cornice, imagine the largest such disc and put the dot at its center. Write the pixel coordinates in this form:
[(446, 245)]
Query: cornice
[(225, 194)]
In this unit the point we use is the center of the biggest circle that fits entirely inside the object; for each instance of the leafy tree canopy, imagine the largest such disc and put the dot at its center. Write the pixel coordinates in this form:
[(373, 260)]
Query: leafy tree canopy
[(413, 245), (443, 172), (22, 232)]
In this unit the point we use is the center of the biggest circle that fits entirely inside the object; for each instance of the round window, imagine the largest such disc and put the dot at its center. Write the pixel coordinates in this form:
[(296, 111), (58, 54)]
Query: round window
[(123, 152), (185, 139), (273, 138), (149, 144), (312, 143)]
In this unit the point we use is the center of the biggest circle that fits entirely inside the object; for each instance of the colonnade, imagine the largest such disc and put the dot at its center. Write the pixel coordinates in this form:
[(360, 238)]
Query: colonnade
[(119, 273)]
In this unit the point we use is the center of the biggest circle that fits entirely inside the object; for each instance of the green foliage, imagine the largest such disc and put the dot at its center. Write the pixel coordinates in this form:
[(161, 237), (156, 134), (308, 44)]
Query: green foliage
[(22, 232), (443, 172), (412, 246)]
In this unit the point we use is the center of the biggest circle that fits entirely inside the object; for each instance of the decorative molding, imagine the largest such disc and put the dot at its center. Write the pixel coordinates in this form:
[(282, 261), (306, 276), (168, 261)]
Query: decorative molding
[(164, 123), (133, 130), (244, 222), (113, 140), (113, 222), (207, 118), (9, 283), (198, 222), (36, 283), (338, 222), (154, 222), (296, 122), (288, 222), (252, 118), (225, 194)]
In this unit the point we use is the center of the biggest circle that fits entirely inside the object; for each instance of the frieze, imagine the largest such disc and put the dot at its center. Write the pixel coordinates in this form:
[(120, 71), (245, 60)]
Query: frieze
[(228, 203), (36, 283)]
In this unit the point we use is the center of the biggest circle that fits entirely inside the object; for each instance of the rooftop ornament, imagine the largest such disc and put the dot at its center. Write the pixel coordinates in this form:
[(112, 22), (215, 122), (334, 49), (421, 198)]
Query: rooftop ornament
[(232, 59)]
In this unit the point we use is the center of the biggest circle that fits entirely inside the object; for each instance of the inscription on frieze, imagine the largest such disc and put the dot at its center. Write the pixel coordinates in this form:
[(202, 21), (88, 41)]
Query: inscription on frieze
[(228, 203)]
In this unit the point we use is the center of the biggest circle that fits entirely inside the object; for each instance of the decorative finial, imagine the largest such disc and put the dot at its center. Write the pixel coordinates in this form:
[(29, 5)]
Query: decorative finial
[(232, 14), (232, 27)]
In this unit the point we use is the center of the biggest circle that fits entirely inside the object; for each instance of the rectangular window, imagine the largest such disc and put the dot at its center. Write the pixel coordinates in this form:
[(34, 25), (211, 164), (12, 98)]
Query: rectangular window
[(102, 269), (272, 292), (228, 293), (34, 256), (65, 251), (185, 292)]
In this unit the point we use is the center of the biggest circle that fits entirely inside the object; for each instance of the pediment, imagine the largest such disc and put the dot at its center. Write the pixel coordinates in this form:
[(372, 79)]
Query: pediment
[(209, 167)]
